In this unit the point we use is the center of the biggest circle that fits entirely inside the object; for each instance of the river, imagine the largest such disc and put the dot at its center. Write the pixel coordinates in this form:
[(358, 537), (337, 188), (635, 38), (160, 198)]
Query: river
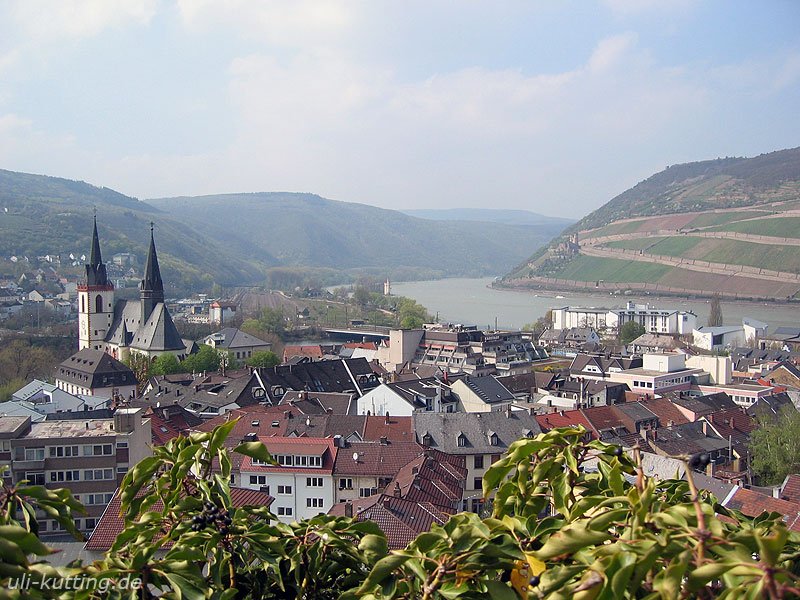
[(472, 302)]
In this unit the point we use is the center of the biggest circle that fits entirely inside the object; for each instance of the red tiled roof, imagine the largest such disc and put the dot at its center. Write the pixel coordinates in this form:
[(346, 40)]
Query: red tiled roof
[(380, 460), (666, 411), (567, 418), (791, 488), (603, 418), (753, 504), (111, 523), (162, 431), (312, 351), (402, 520), (397, 429)]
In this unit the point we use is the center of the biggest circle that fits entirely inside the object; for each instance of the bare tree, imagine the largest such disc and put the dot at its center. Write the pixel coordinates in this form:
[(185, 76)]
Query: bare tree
[(715, 314)]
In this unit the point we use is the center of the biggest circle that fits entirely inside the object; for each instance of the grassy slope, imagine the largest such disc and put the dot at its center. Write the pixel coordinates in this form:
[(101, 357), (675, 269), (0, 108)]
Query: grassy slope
[(592, 268), (788, 227)]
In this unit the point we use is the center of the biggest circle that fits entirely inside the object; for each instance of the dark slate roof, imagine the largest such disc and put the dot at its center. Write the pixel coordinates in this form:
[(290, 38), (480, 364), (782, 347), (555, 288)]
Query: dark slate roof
[(152, 273), (233, 338), (94, 369), (158, 333), (99, 413), (635, 411), (349, 375), (489, 389), (444, 430), (95, 269), (770, 405), (318, 403)]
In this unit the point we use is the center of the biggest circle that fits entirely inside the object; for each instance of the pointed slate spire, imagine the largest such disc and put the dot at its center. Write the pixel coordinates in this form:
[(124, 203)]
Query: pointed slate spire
[(96, 269), (152, 290)]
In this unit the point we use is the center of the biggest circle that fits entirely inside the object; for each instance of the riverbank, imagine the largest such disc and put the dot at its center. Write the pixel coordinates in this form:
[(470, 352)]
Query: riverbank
[(475, 302)]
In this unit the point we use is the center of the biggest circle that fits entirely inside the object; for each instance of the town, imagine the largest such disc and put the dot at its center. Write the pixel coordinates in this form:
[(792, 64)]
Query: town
[(398, 425)]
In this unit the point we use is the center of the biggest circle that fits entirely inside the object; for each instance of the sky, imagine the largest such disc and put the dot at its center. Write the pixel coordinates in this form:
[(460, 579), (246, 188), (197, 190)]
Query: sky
[(551, 106)]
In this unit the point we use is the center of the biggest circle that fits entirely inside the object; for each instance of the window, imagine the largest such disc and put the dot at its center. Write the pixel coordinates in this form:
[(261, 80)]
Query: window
[(258, 480), (122, 444), (35, 478), (478, 461), (284, 460), (65, 475), (284, 489), (90, 523), (97, 450), (122, 470), (313, 502), (5, 445), (285, 511), (61, 451), (367, 492), (313, 481), (462, 441), (34, 453), (345, 483), (314, 461), (477, 483), (95, 499), (98, 474)]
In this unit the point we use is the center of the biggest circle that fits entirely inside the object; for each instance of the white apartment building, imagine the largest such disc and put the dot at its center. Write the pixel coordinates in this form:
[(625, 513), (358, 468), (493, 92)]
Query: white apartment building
[(609, 320), (301, 482)]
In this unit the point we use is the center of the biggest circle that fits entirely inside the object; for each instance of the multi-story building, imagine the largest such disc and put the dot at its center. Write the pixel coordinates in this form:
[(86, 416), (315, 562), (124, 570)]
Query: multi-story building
[(301, 482), (88, 456), (457, 348), (610, 320), (480, 437)]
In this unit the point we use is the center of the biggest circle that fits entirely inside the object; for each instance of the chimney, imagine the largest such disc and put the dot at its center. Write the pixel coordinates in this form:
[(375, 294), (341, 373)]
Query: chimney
[(508, 411), (87, 425), (732, 424), (387, 500), (166, 414), (705, 427), (386, 420), (397, 491), (348, 509), (384, 441)]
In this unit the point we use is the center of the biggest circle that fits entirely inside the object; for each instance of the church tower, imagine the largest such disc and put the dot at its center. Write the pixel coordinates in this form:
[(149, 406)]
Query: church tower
[(151, 291), (95, 300)]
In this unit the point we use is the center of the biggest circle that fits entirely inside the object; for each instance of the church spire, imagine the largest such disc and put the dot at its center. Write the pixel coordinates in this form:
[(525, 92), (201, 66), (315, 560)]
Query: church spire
[(96, 269), (152, 290)]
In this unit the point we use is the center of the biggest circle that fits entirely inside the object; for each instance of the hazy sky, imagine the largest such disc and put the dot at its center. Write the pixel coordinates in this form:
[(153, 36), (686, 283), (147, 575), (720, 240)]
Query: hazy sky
[(552, 106)]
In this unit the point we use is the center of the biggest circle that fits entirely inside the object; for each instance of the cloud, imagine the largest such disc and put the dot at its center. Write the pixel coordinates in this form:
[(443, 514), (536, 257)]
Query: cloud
[(46, 20), (289, 23), (610, 51)]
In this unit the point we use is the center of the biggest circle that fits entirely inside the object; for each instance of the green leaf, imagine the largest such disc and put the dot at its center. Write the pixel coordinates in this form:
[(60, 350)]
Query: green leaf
[(257, 451), (500, 591)]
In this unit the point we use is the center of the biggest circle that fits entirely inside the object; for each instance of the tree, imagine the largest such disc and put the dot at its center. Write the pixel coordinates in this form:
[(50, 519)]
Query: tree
[(630, 331), (140, 365), (361, 295), (557, 530), (165, 364), (204, 360), (775, 446), (715, 312), (411, 314), (264, 359)]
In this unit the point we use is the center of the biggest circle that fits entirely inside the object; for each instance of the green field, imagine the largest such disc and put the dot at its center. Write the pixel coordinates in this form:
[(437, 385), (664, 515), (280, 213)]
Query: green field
[(615, 228), (665, 246), (592, 268), (781, 227), (711, 219), (732, 252)]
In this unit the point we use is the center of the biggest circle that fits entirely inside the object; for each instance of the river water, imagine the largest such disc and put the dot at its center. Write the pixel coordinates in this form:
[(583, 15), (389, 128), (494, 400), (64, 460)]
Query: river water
[(472, 302)]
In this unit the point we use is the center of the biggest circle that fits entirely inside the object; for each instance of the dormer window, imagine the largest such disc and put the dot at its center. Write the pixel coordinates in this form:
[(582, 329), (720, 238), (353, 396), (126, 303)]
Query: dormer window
[(427, 439), (461, 440), (492, 436)]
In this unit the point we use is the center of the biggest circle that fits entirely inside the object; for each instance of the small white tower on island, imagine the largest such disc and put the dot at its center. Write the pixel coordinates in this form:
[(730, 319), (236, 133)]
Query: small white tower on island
[(387, 287)]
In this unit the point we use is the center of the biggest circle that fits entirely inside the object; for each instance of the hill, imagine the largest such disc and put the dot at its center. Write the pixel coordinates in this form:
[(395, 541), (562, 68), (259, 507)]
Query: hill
[(245, 239), (305, 230), (490, 215), (727, 226), (48, 215)]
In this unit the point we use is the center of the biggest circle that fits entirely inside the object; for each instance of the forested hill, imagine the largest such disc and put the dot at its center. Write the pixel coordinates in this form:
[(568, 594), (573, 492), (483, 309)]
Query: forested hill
[(48, 215), (241, 239), (307, 230)]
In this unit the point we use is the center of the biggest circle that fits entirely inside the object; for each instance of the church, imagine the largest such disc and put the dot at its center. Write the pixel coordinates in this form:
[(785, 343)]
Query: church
[(123, 327)]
